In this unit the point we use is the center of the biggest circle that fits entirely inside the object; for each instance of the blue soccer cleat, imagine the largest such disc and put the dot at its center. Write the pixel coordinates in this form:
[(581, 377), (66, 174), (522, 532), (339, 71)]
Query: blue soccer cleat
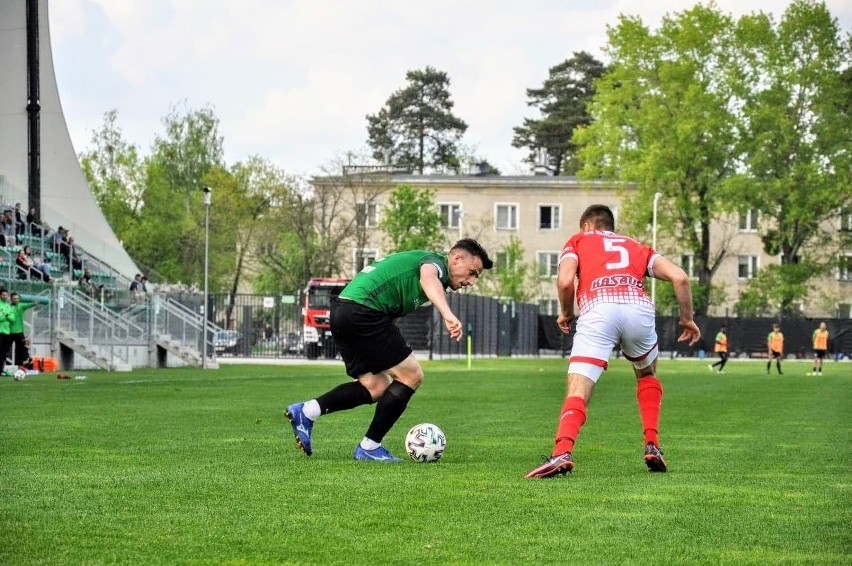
[(379, 454), (302, 426)]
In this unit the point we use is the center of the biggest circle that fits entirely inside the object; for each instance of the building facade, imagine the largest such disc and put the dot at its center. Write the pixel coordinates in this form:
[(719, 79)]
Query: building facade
[(542, 212)]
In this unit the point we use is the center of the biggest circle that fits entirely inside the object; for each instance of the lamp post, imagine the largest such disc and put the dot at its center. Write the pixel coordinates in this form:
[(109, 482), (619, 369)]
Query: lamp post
[(207, 197), (654, 245)]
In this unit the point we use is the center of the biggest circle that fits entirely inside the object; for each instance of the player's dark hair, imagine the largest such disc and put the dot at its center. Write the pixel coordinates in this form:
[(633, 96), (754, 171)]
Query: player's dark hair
[(472, 247), (600, 216)]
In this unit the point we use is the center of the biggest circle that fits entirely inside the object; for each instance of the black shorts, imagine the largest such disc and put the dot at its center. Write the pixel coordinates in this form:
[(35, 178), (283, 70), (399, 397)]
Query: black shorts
[(368, 340), (722, 355), (776, 355), (819, 354)]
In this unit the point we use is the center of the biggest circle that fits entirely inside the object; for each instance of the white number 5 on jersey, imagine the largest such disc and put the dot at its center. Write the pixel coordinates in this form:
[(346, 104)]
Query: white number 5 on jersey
[(612, 245)]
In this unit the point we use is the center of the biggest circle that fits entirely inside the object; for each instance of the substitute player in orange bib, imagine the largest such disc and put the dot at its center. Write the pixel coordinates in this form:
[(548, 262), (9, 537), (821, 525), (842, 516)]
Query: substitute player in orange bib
[(615, 310), (820, 340), (775, 347)]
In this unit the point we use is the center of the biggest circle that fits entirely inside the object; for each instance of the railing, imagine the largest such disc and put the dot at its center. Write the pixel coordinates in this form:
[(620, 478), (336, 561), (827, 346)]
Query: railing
[(189, 328), (78, 316)]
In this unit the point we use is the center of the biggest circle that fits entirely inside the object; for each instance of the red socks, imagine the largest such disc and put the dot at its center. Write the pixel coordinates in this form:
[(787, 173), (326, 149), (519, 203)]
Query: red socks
[(649, 393), (571, 418)]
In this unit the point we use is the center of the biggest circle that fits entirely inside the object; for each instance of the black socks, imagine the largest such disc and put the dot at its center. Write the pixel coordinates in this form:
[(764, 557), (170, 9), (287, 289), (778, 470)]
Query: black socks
[(390, 407), (344, 397)]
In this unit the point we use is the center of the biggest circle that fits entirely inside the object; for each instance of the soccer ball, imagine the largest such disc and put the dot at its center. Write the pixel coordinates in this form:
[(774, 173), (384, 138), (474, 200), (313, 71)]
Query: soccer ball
[(425, 442), (20, 374)]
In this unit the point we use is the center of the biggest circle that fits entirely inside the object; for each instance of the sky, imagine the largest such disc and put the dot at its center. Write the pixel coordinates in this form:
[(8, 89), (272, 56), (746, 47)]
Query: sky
[(293, 80)]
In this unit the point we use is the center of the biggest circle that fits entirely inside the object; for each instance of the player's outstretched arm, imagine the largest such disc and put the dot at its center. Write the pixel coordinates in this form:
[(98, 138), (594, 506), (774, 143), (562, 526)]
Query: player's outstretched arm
[(434, 290), (667, 271)]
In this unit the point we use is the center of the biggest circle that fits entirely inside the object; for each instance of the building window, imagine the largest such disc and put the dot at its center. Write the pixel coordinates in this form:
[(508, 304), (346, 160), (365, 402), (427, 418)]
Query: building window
[(844, 267), (547, 263), (844, 310), (747, 266), (549, 307), (846, 220), (450, 214), (687, 263), (267, 248), (362, 258), (506, 216), (748, 220), (548, 217), (366, 215), (501, 262)]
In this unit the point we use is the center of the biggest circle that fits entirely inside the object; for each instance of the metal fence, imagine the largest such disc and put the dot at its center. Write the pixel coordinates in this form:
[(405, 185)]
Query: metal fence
[(270, 326)]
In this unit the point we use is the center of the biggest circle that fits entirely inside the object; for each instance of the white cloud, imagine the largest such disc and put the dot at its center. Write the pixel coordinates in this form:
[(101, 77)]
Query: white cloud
[(293, 80)]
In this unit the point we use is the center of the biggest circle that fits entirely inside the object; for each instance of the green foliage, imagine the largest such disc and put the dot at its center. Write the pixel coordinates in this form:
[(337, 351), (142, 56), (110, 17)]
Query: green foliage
[(666, 303), (416, 127), (177, 466), (562, 101), (511, 278), (794, 140), (662, 120), (115, 172), (410, 221), (777, 289)]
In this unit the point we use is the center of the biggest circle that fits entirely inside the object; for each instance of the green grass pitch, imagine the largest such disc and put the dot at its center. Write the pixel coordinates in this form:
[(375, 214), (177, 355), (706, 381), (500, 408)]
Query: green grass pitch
[(190, 466)]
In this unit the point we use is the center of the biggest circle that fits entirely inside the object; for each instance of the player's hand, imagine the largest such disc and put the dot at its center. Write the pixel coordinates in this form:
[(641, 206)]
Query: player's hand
[(564, 322), (454, 327), (690, 332)]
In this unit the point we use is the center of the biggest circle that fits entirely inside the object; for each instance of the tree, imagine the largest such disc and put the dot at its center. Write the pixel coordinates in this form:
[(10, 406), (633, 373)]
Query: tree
[(169, 234), (562, 101), (411, 221), (512, 279), (662, 119), (114, 171), (416, 127), (773, 286), (794, 143)]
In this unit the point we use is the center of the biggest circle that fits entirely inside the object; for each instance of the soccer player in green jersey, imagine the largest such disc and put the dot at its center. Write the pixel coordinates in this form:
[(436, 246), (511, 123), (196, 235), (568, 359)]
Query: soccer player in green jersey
[(377, 357)]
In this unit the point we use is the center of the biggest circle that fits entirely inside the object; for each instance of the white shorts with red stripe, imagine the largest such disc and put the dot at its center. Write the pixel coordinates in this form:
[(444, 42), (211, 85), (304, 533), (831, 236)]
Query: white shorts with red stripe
[(607, 325)]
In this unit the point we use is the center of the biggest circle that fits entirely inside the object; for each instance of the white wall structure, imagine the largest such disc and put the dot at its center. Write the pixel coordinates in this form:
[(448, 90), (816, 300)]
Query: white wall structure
[(66, 198)]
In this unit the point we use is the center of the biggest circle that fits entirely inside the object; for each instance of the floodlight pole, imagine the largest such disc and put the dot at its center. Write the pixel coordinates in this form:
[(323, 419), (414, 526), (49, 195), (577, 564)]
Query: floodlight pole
[(207, 198), (654, 245)]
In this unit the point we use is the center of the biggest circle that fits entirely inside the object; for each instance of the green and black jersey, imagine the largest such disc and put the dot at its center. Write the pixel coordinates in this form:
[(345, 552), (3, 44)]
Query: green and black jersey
[(392, 284)]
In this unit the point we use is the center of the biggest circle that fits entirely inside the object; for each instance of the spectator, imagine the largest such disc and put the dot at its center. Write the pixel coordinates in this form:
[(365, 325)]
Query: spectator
[(136, 284), (144, 282), (8, 228), (26, 265), (44, 268), (69, 250), (58, 238), (33, 224), (86, 285), (20, 220)]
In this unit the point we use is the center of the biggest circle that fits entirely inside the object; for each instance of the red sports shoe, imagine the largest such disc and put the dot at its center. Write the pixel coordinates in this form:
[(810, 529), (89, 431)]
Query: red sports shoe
[(553, 466), (654, 458)]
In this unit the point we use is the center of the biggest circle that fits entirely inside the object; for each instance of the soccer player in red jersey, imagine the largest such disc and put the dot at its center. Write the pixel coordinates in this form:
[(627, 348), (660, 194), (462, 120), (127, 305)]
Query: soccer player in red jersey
[(615, 310)]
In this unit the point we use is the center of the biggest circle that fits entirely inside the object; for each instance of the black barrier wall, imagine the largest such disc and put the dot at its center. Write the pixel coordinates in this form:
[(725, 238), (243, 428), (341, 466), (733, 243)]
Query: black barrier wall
[(271, 327), (746, 336)]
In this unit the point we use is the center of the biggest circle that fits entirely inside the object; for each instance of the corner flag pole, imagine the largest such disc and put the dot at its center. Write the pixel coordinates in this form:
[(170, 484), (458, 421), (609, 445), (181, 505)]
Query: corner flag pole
[(469, 345)]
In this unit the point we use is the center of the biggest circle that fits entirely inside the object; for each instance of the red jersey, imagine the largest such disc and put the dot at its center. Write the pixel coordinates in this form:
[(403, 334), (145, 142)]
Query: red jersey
[(611, 268)]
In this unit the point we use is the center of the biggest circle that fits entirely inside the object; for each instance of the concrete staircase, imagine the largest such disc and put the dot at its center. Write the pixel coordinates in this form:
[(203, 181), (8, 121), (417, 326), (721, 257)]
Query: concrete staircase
[(97, 355), (192, 356)]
